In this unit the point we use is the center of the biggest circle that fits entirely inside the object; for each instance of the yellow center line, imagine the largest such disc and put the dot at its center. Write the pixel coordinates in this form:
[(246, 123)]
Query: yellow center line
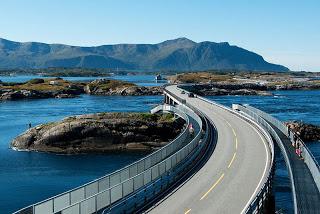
[(186, 212), (234, 132), (213, 186), (236, 143), (234, 155)]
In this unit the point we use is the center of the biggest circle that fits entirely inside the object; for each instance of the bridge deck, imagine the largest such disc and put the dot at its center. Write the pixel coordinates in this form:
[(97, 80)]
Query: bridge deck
[(232, 175), (308, 197)]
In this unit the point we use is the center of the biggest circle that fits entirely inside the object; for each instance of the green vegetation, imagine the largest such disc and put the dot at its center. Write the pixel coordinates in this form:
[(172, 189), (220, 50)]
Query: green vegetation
[(201, 77), (109, 84), (36, 81), (165, 117), (48, 125)]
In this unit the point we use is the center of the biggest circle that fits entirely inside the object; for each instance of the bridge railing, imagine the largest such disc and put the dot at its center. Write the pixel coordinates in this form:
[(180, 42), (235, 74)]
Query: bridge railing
[(257, 203), (66, 199), (189, 155), (126, 196), (308, 158)]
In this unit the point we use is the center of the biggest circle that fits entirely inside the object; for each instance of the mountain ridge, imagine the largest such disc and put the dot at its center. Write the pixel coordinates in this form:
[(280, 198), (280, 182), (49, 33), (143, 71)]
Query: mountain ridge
[(176, 54)]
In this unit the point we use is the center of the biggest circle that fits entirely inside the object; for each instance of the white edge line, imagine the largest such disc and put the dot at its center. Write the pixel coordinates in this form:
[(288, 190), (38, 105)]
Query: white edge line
[(265, 168)]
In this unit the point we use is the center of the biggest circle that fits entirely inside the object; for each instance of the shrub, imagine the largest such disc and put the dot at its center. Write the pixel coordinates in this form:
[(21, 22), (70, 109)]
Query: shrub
[(36, 81)]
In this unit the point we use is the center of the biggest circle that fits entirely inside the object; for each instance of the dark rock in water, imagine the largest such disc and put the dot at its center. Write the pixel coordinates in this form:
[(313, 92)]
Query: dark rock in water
[(307, 132), (100, 133), (65, 96), (9, 94)]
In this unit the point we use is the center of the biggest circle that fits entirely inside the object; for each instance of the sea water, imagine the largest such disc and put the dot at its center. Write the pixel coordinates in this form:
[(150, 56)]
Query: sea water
[(28, 177)]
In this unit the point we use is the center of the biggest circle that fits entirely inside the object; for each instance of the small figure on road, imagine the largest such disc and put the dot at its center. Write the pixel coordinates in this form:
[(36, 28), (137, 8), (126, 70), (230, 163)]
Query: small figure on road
[(191, 129)]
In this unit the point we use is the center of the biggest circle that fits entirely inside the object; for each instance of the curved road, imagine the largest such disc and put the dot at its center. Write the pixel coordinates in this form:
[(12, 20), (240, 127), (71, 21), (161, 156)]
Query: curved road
[(233, 174)]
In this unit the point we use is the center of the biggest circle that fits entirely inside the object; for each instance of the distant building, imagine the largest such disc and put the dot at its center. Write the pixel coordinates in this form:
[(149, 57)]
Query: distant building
[(54, 82)]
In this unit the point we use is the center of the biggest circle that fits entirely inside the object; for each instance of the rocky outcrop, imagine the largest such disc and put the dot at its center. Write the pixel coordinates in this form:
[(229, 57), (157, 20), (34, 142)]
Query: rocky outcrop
[(307, 132), (218, 89), (40, 89), (10, 94), (59, 88), (100, 133), (108, 87)]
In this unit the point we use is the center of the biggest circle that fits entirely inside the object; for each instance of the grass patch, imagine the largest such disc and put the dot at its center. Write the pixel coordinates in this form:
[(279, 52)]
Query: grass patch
[(202, 77), (41, 85), (109, 84)]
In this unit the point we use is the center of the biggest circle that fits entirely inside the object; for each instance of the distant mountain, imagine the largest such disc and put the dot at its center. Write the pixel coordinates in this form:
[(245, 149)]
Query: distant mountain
[(177, 54)]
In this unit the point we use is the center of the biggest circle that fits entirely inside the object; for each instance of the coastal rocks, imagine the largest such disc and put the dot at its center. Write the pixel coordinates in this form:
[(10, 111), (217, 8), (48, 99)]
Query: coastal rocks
[(34, 94), (101, 133), (10, 94), (63, 96), (219, 89), (108, 87), (307, 132), (40, 89)]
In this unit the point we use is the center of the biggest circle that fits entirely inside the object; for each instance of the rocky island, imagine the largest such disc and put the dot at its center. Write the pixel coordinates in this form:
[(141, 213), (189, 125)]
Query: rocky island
[(109, 87), (215, 83), (60, 88), (101, 132), (40, 88)]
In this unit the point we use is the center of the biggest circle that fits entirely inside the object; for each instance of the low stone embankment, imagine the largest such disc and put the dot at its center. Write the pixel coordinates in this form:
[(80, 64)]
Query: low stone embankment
[(101, 133)]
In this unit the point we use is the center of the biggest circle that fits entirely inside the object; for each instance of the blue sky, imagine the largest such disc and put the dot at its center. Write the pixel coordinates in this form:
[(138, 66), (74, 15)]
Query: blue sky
[(282, 31)]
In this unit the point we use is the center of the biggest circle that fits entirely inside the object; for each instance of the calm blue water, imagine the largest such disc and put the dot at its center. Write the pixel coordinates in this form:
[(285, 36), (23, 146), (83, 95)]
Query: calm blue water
[(26, 177), (285, 105)]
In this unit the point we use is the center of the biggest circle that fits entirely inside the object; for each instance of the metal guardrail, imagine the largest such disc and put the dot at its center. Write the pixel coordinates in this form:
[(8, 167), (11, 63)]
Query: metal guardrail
[(258, 202), (106, 199), (309, 159), (59, 202), (150, 192)]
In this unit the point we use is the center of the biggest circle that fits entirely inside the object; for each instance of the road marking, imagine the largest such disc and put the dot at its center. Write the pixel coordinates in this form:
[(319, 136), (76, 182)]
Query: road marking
[(234, 132), (234, 155), (186, 212), (213, 186), (236, 143), (264, 171)]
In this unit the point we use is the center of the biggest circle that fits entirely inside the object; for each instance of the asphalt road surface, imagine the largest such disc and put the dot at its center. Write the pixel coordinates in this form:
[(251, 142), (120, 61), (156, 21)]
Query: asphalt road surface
[(234, 173)]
